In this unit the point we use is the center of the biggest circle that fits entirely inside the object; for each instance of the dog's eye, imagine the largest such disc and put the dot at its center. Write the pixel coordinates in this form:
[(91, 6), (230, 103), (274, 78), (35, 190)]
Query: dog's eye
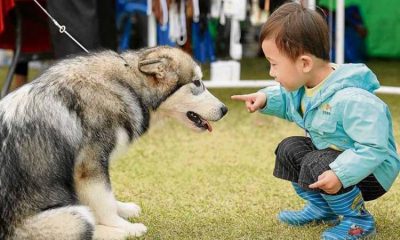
[(197, 83)]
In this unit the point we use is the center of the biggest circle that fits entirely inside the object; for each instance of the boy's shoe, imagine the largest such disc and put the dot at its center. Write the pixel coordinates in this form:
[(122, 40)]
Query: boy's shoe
[(357, 222), (317, 210)]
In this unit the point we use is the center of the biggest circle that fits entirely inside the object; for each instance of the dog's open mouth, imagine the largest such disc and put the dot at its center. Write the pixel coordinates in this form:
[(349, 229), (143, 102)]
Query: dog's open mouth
[(199, 121)]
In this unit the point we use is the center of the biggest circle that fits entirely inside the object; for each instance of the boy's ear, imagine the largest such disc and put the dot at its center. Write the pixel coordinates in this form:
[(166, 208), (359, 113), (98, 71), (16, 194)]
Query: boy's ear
[(307, 63)]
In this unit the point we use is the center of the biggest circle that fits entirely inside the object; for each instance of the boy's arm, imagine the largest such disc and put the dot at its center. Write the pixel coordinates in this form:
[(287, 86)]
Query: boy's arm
[(277, 102), (368, 125)]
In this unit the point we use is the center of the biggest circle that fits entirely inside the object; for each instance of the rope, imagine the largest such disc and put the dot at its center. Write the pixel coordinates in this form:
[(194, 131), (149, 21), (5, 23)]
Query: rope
[(61, 28)]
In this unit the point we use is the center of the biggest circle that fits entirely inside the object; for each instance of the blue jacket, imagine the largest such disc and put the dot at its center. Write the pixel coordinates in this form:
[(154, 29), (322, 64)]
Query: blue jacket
[(345, 113)]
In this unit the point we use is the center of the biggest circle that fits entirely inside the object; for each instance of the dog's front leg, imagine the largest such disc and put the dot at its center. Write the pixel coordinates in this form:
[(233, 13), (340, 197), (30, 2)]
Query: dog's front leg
[(99, 197), (94, 190)]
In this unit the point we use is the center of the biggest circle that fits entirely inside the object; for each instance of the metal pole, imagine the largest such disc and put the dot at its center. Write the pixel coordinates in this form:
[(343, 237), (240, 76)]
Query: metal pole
[(17, 53), (151, 31), (339, 32), (311, 4)]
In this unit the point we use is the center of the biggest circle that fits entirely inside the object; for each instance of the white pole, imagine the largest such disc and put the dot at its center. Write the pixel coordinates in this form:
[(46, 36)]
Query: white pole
[(339, 32), (151, 26), (151, 31), (311, 4)]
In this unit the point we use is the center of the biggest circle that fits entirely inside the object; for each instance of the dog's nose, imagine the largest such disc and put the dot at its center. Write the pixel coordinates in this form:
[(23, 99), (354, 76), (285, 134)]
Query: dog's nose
[(224, 110)]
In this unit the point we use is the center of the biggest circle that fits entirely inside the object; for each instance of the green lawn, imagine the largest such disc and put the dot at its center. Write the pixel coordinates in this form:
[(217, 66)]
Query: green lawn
[(219, 185)]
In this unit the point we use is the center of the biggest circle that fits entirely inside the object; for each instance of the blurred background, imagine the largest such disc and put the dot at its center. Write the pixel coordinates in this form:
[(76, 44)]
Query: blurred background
[(222, 35)]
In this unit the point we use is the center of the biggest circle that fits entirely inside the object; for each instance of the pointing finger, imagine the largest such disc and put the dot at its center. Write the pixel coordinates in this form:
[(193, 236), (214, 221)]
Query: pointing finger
[(240, 97)]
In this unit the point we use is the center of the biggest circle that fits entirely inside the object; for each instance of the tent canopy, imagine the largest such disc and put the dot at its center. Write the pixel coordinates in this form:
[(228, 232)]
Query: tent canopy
[(382, 19)]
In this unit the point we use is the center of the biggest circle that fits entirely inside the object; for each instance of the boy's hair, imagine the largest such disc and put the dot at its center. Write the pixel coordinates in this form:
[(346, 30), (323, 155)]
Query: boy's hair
[(297, 30)]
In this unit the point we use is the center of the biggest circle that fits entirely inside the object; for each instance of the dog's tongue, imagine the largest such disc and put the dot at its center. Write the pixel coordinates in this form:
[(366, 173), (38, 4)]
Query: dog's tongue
[(207, 125)]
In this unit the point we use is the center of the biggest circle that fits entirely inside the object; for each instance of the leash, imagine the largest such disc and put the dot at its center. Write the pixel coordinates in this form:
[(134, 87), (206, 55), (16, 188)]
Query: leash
[(61, 28)]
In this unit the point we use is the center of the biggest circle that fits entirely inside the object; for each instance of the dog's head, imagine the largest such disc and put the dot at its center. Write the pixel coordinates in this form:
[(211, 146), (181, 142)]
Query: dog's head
[(177, 80)]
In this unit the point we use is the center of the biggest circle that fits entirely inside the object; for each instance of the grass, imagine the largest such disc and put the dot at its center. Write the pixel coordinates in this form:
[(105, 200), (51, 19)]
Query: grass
[(220, 185)]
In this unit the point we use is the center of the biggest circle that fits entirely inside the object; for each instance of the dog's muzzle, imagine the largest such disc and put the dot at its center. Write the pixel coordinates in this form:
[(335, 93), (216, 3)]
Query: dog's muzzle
[(199, 121)]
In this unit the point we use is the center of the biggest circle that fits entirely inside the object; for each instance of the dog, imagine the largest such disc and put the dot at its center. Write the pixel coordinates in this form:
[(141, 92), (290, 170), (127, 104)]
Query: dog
[(59, 132)]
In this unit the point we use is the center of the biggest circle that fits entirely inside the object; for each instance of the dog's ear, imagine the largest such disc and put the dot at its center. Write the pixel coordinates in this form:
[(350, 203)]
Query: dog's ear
[(155, 67)]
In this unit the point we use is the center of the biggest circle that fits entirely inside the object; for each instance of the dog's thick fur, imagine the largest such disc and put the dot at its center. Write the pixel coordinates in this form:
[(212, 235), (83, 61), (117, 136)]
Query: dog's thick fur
[(59, 132)]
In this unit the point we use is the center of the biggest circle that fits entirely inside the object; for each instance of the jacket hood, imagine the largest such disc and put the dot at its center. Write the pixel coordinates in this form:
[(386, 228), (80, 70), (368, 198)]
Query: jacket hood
[(347, 76)]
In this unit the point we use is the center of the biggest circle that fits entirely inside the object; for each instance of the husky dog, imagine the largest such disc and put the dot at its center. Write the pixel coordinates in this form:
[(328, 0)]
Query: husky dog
[(59, 132)]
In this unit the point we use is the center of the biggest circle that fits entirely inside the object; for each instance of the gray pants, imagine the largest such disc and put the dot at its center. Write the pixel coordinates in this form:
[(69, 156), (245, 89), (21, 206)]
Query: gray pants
[(299, 161)]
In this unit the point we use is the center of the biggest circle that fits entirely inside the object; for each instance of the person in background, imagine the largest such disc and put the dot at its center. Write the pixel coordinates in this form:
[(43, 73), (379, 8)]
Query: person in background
[(20, 75), (91, 22)]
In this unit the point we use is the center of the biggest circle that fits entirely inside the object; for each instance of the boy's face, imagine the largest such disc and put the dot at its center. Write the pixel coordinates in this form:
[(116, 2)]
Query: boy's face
[(287, 72)]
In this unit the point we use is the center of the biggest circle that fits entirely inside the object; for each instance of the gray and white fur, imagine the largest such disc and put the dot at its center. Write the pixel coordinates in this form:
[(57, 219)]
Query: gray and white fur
[(59, 132)]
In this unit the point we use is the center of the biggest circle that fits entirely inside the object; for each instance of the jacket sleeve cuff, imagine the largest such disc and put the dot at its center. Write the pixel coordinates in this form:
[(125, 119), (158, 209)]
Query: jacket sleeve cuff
[(274, 105), (340, 173)]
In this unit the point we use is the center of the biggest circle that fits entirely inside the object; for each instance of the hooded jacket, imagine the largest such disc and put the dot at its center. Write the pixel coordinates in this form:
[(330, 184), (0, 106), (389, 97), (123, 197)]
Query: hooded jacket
[(345, 113)]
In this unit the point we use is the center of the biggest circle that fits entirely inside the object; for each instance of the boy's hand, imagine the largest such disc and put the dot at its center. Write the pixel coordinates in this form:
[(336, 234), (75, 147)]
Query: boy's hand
[(254, 101), (328, 181)]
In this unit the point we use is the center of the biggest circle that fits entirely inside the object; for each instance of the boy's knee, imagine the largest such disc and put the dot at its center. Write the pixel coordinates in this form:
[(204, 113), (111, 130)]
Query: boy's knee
[(288, 146), (313, 165), (310, 171)]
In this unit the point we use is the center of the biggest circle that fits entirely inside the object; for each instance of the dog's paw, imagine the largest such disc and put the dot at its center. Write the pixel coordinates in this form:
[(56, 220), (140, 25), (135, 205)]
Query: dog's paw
[(127, 210), (123, 227), (136, 229), (109, 233)]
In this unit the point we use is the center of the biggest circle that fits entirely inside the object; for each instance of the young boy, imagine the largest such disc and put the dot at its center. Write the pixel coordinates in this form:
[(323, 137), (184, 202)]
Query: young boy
[(348, 155)]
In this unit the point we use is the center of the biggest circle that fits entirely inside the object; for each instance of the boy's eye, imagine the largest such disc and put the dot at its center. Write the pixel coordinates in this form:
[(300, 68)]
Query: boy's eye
[(197, 83)]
